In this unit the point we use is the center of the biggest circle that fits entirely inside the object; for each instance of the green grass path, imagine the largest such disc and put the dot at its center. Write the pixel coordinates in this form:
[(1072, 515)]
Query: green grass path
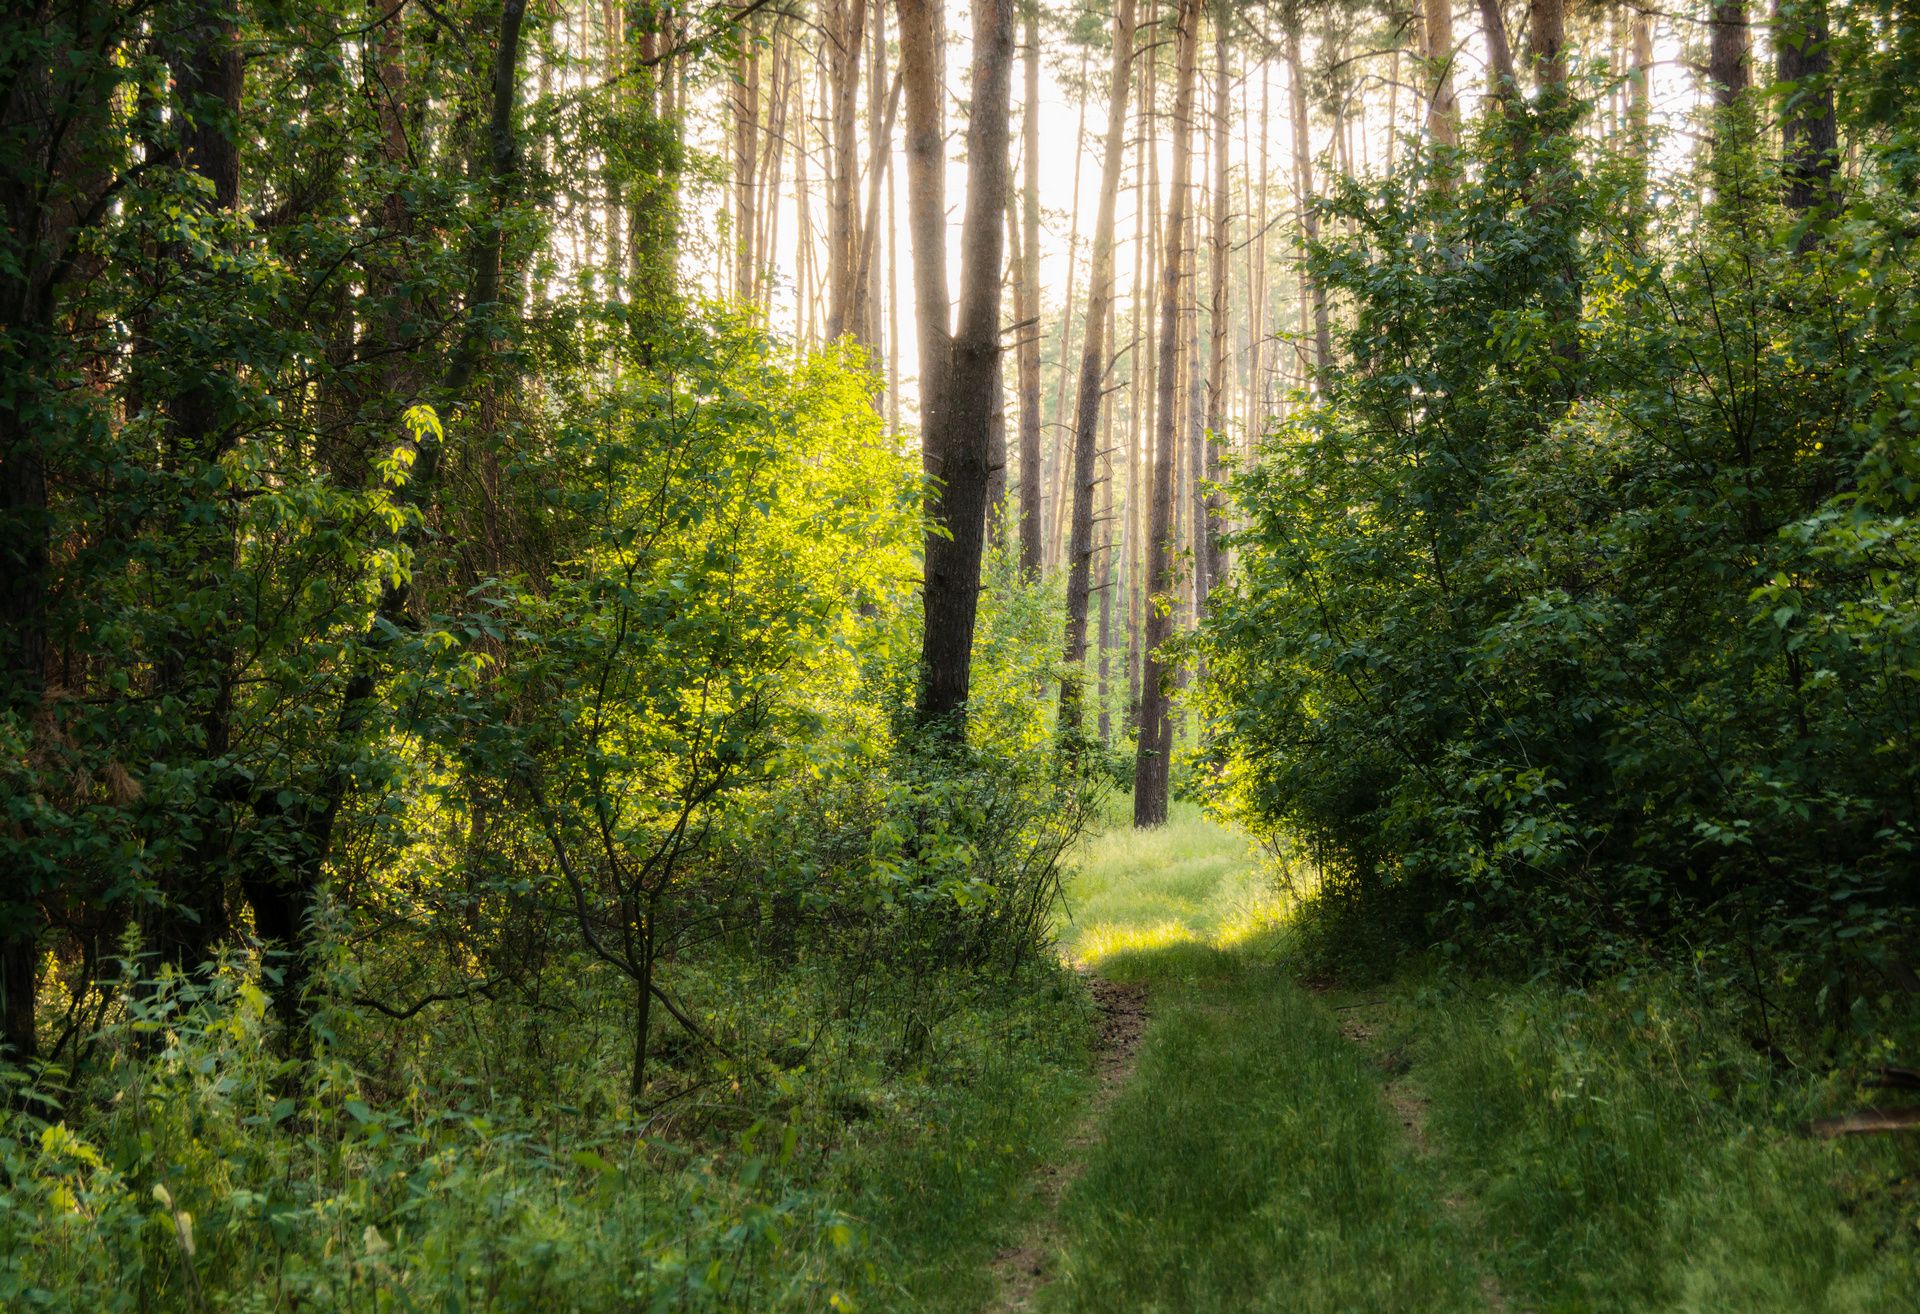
[(1436, 1143), (1252, 1162)]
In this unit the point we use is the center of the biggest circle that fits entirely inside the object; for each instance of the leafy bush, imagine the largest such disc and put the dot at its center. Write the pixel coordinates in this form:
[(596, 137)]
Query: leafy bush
[(1582, 606)]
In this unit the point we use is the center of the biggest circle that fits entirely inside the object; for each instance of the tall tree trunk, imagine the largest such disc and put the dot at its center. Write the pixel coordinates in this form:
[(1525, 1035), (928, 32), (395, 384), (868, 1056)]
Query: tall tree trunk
[(1503, 81), (848, 36), (1548, 35), (182, 929), (1727, 41), (1093, 372), (1207, 529), (1443, 109), (1109, 579), (1133, 526), (1311, 293), (1152, 759), (1029, 299), (1259, 396), (746, 155), (1053, 540), (1639, 107), (958, 438), (922, 74), (1809, 135)]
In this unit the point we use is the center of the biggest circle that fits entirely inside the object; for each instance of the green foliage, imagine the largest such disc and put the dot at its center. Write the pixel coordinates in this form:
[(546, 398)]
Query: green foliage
[(1581, 610)]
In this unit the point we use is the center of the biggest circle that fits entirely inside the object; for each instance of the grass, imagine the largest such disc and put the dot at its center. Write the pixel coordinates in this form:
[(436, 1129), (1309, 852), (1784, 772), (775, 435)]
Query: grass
[(1630, 1151), (1610, 1150), (1251, 1163), (1187, 882)]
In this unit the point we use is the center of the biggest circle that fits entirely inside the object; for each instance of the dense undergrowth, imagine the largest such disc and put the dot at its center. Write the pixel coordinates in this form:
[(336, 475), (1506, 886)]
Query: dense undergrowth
[(1575, 622), (660, 962)]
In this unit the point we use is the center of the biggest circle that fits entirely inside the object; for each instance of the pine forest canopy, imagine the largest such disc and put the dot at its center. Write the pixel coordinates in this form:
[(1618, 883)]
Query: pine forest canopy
[(647, 529)]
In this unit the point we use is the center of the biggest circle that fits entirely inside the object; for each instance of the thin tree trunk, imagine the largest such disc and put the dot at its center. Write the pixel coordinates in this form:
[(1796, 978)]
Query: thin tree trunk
[(1151, 761), (1210, 548), (746, 155), (848, 36), (1311, 293), (1093, 368), (1640, 105), (1054, 537), (1028, 312)]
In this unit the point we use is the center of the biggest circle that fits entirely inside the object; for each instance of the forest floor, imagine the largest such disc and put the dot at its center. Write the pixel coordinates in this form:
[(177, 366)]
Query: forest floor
[(1259, 1142)]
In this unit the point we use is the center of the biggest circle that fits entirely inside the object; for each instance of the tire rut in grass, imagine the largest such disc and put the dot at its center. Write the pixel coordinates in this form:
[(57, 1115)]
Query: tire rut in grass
[(1021, 1271), (1409, 1109)]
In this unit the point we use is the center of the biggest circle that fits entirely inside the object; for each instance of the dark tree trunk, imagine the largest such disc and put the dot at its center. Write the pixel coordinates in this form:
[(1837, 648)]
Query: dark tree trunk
[(958, 437), (1727, 64), (183, 927), (1151, 760), (1810, 136), (1093, 370)]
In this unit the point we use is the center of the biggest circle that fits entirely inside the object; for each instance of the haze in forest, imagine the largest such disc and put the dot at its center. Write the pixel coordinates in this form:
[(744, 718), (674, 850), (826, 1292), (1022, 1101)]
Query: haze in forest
[(959, 656)]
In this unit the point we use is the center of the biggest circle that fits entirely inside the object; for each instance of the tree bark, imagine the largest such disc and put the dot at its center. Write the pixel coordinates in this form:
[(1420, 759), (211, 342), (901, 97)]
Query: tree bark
[(746, 155), (1311, 293), (958, 437), (1443, 109), (1727, 42), (1503, 82), (1207, 529), (1093, 370), (1548, 36), (1809, 134), (1152, 758), (847, 32), (1029, 312), (1640, 103)]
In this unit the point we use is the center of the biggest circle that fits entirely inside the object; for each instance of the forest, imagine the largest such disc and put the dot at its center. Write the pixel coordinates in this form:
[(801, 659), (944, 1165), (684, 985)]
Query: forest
[(1198, 656)]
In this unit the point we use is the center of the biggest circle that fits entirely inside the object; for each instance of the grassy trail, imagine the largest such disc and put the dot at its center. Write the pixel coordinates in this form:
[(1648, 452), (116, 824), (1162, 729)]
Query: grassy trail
[(1422, 1145), (1250, 1161)]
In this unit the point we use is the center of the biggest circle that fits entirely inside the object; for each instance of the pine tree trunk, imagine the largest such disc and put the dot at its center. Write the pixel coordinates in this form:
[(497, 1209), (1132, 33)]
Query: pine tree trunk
[(1548, 35), (1210, 548), (1152, 759), (1809, 135), (1093, 365), (1311, 293), (848, 36), (1443, 109), (1727, 40), (1028, 311), (957, 434)]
